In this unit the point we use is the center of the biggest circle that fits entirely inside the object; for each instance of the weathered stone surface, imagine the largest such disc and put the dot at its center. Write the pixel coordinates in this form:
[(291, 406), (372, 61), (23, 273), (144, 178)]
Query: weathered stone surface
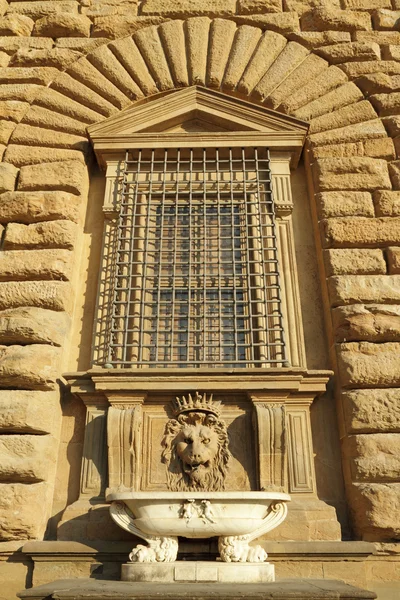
[(387, 203), (26, 458), (50, 234), (32, 207), (29, 367), (244, 44), (380, 148), (391, 52), (394, 172), (373, 457), (354, 261), (43, 8), (386, 104), (129, 55), (22, 155), (38, 136), (69, 176), (13, 44), (32, 325), (286, 22), (23, 510), (374, 147), (149, 44), (54, 295), (106, 62), (196, 33), (63, 25), (6, 129), (367, 67), (222, 33), (340, 53), (386, 19), (57, 101), (380, 37), (316, 39), (313, 95), (367, 323), (47, 119), (16, 25), (259, 6), (37, 75), (376, 510), (82, 94), (356, 232), (291, 57), (369, 5), (79, 44), (304, 6), (350, 289), (374, 410), (367, 130), (339, 20), (345, 204), (8, 177), (25, 411), (268, 49), (13, 110), (393, 256), (351, 174), (348, 115), (117, 26), (58, 58), (362, 364), (20, 265), (182, 8)]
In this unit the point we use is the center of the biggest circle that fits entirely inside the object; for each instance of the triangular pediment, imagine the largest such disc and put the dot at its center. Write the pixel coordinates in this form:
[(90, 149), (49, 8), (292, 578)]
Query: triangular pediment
[(196, 115)]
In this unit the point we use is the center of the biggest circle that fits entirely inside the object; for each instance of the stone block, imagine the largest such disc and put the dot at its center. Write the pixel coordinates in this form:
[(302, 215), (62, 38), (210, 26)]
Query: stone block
[(68, 176), (376, 510), (59, 58), (53, 100), (54, 295), (82, 94), (79, 44), (357, 69), (43, 8), (112, 69), (351, 289), (332, 96), (391, 52), (363, 364), (345, 204), (25, 411), (387, 203), (37, 75), (316, 39), (304, 6), (244, 44), (351, 174), (393, 258), (44, 118), (380, 37), (286, 22), (348, 115), (130, 57), (386, 19), (335, 20), (340, 53), (13, 44), (247, 7), (23, 155), (38, 136), (29, 367), (20, 265), (8, 177), (6, 129), (23, 92), (369, 5), (394, 172), (26, 458), (372, 410), (24, 510), (117, 26), (33, 207), (386, 104), (367, 323), (188, 8), (354, 261), (19, 25), (50, 234), (32, 325), (392, 125), (380, 148), (367, 130), (356, 232)]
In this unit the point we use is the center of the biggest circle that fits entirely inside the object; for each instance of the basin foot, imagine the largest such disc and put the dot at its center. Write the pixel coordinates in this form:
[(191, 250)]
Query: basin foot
[(235, 548), (159, 549)]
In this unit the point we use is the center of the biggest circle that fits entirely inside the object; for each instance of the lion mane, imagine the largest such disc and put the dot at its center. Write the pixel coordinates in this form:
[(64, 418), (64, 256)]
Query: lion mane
[(177, 479)]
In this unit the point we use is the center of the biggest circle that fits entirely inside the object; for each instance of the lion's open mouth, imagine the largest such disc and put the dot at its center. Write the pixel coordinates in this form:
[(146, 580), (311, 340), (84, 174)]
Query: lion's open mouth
[(190, 468)]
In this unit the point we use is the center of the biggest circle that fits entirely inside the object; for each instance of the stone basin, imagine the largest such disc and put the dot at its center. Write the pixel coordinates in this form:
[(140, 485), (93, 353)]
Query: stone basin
[(236, 518)]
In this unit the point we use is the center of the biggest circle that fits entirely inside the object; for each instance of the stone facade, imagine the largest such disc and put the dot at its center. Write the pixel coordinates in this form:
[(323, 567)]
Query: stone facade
[(65, 65)]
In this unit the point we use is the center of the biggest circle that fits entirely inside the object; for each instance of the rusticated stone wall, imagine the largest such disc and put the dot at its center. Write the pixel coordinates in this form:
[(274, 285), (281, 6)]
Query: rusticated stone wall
[(67, 64)]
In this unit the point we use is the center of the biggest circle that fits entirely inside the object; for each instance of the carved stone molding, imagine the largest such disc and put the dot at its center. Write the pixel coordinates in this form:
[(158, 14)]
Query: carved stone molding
[(271, 444)]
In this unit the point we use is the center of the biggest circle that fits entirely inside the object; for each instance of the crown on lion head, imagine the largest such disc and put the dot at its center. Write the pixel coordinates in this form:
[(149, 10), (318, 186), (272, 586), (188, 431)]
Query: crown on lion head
[(199, 403)]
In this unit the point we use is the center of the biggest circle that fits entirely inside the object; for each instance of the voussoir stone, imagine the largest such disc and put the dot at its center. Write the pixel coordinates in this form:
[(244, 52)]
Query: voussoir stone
[(69, 176), (367, 323), (20, 265), (354, 261), (359, 231), (372, 410), (26, 458), (363, 364), (351, 289), (32, 325), (63, 25), (351, 174), (23, 510), (54, 295), (376, 510), (345, 204), (29, 367), (26, 411), (8, 177), (59, 58), (13, 24)]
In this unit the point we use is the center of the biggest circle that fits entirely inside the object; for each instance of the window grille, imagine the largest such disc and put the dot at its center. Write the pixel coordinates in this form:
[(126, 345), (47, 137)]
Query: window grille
[(195, 275)]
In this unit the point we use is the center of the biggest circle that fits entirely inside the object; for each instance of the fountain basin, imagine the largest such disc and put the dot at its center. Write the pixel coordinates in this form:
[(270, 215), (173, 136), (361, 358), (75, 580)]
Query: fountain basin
[(198, 514)]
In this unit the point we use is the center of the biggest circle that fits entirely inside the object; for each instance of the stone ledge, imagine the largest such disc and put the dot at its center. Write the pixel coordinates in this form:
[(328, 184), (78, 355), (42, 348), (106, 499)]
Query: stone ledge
[(306, 589)]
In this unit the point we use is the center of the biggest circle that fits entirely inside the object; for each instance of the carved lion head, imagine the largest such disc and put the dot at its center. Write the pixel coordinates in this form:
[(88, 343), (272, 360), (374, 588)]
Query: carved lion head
[(195, 450)]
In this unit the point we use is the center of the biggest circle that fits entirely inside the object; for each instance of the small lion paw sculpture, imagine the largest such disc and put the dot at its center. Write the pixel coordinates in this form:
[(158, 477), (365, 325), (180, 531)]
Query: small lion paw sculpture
[(236, 549), (160, 549)]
